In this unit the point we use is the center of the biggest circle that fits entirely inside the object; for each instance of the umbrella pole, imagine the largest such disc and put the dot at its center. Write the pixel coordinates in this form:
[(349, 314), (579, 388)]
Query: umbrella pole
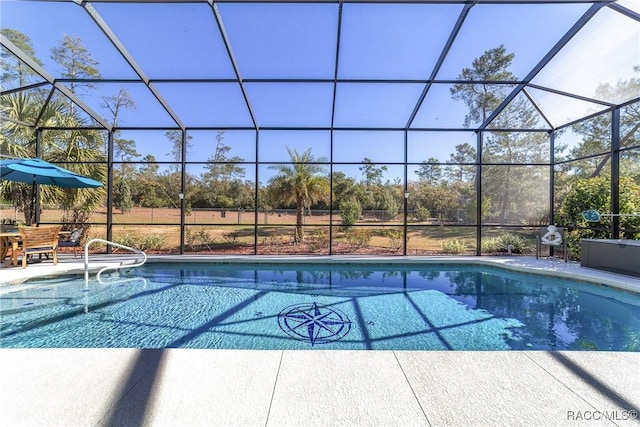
[(36, 205), (32, 214)]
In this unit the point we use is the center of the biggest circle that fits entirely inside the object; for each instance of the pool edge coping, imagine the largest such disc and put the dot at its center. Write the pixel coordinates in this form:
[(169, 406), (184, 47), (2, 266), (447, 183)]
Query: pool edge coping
[(569, 270), (549, 268)]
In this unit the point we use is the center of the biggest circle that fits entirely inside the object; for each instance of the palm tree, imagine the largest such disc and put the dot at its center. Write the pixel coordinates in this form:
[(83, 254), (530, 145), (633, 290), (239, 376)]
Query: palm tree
[(80, 148), (83, 151), (19, 140), (300, 183)]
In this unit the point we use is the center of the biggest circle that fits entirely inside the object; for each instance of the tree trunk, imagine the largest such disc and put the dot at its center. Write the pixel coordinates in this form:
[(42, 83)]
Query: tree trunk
[(299, 234)]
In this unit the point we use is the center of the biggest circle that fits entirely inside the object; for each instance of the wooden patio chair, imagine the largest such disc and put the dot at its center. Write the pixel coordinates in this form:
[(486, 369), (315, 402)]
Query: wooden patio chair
[(39, 240)]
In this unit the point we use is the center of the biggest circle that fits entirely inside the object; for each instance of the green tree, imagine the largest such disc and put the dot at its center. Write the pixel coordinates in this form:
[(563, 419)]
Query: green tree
[(482, 98), (595, 194), (464, 157), (14, 72), (439, 200), (116, 103), (300, 183), (175, 137), (372, 174), (76, 62), (514, 192), (78, 150), (146, 192), (430, 170), (219, 166), (122, 196), (374, 194), (389, 201), (221, 186), (124, 149), (350, 211), (345, 188), (596, 132)]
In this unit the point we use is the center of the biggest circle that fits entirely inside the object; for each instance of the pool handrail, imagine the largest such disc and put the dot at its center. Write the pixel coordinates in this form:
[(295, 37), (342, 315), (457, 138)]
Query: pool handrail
[(109, 267)]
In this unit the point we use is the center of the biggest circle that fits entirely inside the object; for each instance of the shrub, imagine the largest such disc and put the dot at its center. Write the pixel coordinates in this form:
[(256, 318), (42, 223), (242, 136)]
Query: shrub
[(359, 237), (421, 213), (519, 243), (502, 242), (152, 242), (396, 238), (230, 237), (147, 242), (127, 239), (490, 244), (454, 246), (350, 211), (319, 242), (198, 237)]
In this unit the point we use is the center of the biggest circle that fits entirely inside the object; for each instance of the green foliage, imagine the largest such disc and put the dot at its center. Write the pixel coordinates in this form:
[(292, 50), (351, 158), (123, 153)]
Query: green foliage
[(127, 239), (344, 188), (76, 61), (595, 193), (220, 167), (586, 194), (360, 237), (520, 244), (81, 148), (396, 237), (152, 242), (122, 196), (350, 212), (430, 170), (319, 241), (15, 73), (501, 243), (420, 213), (372, 174), (482, 98), (490, 244), (300, 184), (454, 246), (197, 237), (428, 199), (389, 203), (144, 242)]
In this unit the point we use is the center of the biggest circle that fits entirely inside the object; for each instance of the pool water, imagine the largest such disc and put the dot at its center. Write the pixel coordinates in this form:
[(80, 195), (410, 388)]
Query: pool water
[(311, 306)]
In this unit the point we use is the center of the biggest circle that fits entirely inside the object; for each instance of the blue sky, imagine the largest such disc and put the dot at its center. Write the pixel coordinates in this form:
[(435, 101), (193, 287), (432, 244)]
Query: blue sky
[(270, 41)]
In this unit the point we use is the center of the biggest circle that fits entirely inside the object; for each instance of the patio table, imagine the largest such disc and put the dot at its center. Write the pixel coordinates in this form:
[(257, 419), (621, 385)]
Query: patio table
[(9, 239), (12, 239)]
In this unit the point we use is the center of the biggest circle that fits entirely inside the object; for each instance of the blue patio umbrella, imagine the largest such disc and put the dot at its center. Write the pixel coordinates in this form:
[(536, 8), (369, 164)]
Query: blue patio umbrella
[(39, 172)]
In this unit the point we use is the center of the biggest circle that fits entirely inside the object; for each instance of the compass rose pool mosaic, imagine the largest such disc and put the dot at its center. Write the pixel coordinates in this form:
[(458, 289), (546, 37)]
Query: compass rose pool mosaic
[(319, 306)]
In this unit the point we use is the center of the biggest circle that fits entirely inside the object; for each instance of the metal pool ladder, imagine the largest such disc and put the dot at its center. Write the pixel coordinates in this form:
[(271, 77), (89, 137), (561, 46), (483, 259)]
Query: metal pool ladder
[(86, 258)]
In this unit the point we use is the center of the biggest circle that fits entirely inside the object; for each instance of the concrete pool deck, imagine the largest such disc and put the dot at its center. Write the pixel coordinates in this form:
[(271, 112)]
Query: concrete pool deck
[(115, 387)]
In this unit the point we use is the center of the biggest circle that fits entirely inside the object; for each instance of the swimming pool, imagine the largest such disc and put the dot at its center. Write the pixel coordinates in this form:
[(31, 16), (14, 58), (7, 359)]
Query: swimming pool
[(320, 306)]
